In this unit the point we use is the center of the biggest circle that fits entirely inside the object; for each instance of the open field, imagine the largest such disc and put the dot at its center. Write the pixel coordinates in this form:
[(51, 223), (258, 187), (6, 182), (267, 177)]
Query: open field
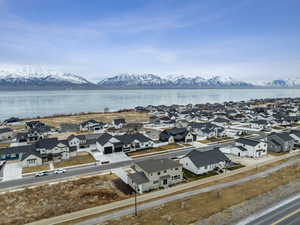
[(243, 172), (35, 169), (130, 116), (51, 200), (154, 150), (81, 158), (198, 207)]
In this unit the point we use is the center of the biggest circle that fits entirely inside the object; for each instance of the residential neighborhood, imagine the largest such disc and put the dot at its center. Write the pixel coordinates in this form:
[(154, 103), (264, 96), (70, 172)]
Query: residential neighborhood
[(171, 146)]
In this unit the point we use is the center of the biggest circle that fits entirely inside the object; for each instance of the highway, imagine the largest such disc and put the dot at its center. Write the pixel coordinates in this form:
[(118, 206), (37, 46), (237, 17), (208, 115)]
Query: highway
[(284, 213)]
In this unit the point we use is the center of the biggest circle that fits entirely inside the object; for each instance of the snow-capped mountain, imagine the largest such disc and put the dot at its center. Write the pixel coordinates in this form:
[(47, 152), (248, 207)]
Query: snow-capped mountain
[(289, 82), (30, 79), (155, 81)]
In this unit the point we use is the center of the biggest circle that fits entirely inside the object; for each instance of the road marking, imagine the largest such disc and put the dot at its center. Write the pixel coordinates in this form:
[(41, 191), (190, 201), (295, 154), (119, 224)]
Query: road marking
[(287, 216)]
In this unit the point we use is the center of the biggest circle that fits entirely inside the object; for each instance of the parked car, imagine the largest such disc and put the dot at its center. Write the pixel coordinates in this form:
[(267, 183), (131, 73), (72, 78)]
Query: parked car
[(59, 171), (41, 173)]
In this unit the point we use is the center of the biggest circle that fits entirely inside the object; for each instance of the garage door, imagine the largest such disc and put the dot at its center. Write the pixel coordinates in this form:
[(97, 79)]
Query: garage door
[(108, 150)]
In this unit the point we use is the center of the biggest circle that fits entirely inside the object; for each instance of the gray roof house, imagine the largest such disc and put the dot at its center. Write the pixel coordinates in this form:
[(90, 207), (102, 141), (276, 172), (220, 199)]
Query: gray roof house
[(280, 142), (199, 162), (153, 174)]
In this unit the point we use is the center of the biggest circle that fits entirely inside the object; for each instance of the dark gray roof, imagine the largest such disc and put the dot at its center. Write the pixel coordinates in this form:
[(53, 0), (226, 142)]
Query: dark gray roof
[(207, 158), (17, 149), (47, 143), (155, 165), (138, 178), (119, 121), (247, 141), (283, 136), (104, 138), (5, 130), (129, 138)]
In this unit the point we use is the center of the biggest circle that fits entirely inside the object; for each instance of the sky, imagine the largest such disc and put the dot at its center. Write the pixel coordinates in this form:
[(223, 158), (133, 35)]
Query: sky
[(249, 40)]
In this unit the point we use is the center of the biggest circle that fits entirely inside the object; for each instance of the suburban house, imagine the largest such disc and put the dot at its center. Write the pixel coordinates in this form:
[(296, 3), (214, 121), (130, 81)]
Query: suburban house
[(202, 162), (33, 134), (6, 133), (151, 174), (34, 124), (249, 148), (40, 152), (154, 120), (280, 142), (118, 123), (177, 135), (207, 130), (91, 125), (260, 124), (84, 141), (295, 134), (108, 144)]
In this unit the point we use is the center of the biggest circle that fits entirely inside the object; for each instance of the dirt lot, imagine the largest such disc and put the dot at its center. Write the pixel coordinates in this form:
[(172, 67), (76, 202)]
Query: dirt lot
[(154, 150), (198, 207), (53, 200), (130, 116), (81, 158)]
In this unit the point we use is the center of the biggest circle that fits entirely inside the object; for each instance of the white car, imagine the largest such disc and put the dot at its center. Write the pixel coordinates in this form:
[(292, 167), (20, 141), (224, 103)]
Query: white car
[(59, 171), (41, 173)]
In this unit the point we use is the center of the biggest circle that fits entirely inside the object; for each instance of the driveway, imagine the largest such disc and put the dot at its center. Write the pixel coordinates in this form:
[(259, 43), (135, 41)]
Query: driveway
[(12, 170)]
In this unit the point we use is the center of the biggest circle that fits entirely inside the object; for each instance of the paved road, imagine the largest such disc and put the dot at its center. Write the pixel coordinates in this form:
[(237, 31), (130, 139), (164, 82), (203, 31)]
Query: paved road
[(90, 169), (284, 213), (167, 199)]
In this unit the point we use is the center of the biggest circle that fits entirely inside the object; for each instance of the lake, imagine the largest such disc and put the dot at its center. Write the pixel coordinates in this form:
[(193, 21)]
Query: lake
[(42, 103)]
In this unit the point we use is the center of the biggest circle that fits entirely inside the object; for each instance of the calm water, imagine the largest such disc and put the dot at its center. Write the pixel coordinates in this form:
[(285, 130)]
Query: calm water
[(41, 103)]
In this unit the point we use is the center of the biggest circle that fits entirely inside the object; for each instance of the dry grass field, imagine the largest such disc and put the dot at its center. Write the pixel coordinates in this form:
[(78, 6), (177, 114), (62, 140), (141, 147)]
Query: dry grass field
[(35, 169), (130, 116), (192, 209), (154, 150), (52, 200), (81, 158)]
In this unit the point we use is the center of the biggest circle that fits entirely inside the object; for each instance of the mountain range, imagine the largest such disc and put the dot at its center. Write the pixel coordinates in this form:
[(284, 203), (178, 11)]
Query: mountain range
[(55, 80)]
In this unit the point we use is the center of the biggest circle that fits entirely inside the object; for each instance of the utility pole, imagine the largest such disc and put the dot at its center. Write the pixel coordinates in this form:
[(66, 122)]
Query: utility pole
[(135, 201)]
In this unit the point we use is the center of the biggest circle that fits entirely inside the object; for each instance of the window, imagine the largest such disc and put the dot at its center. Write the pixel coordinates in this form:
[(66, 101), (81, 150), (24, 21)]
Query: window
[(158, 173), (176, 168), (155, 181), (31, 161), (165, 171)]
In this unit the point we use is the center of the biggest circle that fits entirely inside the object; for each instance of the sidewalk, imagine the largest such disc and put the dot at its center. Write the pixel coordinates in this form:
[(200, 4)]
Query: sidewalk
[(169, 191)]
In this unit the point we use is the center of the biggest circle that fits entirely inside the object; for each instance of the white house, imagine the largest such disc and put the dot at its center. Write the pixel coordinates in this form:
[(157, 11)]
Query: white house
[(202, 162), (151, 174), (250, 148)]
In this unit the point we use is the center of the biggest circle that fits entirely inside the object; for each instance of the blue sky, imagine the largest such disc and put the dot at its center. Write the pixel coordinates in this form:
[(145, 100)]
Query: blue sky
[(245, 39)]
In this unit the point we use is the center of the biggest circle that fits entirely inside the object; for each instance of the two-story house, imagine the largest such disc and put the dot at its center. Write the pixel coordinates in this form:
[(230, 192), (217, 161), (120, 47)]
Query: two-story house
[(151, 174), (177, 135), (249, 148), (280, 142)]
